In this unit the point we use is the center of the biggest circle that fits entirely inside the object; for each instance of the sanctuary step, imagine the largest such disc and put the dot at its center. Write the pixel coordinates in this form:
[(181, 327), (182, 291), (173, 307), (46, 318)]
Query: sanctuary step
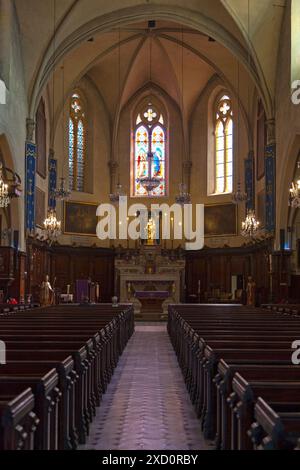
[(151, 316)]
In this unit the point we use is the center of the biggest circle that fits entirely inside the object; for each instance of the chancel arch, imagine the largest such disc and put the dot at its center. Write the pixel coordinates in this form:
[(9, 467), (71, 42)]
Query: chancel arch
[(178, 109)]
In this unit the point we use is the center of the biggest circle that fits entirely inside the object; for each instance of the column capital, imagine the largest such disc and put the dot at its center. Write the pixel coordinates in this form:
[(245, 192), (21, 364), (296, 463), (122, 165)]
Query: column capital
[(30, 127), (271, 131)]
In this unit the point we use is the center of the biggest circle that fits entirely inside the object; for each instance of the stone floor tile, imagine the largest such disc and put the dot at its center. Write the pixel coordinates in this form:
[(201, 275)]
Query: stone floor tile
[(146, 405)]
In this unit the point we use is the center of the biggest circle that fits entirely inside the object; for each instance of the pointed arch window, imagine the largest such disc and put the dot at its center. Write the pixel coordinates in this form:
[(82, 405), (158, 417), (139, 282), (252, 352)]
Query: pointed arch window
[(77, 143), (224, 146), (150, 135)]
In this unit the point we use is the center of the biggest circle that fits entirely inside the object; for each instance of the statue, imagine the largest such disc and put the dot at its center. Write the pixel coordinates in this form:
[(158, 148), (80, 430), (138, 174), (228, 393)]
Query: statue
[(251, 292), (46, 293), (150, 232)]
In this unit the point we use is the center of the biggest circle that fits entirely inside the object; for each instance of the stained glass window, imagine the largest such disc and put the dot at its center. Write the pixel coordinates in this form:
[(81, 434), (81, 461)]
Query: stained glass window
[(224, 146), (150, 137), (77, 144)]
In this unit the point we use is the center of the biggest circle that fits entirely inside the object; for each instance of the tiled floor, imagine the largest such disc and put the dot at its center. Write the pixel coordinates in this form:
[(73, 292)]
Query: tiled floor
[(146, 405)]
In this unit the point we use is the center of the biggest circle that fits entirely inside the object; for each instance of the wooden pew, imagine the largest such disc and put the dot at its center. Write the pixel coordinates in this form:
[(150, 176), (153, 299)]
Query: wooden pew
[(202, 337), (244, 397), (18, 422), (44, 384), (223, 381), (276, 427), (83, 345)]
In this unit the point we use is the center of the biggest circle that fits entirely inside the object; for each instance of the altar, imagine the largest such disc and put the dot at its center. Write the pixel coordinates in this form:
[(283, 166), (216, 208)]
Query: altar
[(151, 300), (150, 278)]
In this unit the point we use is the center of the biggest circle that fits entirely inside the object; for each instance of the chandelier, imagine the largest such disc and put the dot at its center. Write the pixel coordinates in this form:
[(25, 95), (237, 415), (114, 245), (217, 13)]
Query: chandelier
[(183, 197), (294, 199), (250, 226), (149, 183), (52, 226), (239, 196), (62, 193), (4, 196), (115, 197)]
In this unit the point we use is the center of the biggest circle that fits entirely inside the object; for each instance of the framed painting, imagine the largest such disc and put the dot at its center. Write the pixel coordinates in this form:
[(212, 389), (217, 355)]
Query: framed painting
[(220, 220), (40, 212), (80, 218)]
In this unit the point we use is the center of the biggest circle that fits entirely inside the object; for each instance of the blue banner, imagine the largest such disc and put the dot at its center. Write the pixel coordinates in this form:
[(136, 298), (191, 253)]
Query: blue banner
[(249, 181), (52, 182), (270, 175), (30, 159)]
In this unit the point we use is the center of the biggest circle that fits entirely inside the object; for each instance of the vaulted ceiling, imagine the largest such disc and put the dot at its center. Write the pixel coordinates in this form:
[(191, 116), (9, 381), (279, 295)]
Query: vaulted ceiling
[(87, 36)]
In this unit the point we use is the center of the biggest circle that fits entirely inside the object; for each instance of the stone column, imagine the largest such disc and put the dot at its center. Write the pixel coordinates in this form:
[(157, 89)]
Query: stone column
[(187, 168), (113, 168), (30, 169)]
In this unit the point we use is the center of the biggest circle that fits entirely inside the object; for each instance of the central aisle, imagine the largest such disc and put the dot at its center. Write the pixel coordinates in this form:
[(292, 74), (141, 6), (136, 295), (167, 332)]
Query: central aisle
[(146, 405)]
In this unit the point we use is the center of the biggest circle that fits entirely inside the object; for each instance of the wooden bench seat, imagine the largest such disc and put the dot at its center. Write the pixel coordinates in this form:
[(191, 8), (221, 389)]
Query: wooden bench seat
[(66, 357), (276, 427), (18, 422), (216, 345), (44, 383)]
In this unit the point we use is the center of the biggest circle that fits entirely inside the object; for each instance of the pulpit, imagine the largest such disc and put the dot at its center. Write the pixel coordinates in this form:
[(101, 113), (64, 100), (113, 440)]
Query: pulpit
[(82, 290)]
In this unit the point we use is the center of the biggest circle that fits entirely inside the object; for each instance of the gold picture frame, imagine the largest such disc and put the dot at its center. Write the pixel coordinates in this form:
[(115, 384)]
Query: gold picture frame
[(220, 220), (80, 218)]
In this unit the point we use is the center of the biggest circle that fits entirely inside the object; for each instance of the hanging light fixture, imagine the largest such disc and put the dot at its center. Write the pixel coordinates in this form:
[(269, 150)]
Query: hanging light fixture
[(150, 182), (4, 196), (52, 226), (184, 196), (250, 226), (239, 196), (61, 193), (294, 198), (115, 196)]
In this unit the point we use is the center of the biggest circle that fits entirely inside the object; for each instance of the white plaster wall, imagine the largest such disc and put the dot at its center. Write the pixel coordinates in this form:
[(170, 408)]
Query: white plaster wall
[(13, 115)]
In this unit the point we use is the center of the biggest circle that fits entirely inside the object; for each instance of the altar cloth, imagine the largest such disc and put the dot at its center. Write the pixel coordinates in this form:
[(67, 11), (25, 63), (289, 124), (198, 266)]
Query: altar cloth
[(152, 294)]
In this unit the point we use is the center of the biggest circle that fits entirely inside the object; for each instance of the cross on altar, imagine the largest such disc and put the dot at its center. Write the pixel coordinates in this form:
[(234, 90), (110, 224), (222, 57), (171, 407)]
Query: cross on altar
[(224, 108), (150, 115)]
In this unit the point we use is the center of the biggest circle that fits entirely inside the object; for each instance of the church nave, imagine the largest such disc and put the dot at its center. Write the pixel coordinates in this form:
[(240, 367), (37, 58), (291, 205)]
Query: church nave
[(146, 405)]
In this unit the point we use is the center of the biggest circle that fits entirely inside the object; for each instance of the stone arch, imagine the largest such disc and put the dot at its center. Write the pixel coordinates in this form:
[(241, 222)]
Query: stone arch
[(13, 211), (160, 12)]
